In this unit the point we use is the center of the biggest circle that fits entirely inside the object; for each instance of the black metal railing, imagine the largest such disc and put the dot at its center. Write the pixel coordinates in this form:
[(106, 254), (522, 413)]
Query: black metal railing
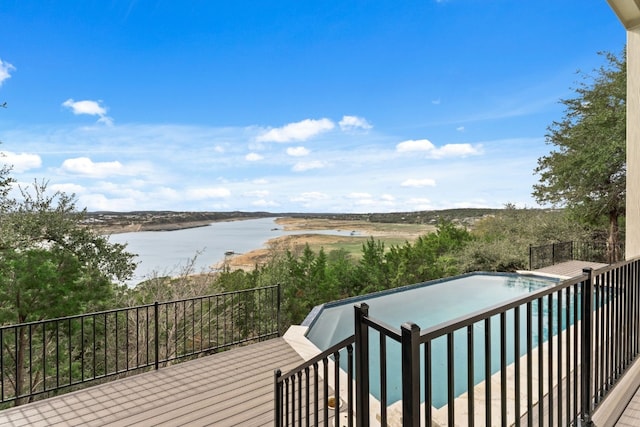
[(548, 358), (39, 359), (311, 393), (555, 253)]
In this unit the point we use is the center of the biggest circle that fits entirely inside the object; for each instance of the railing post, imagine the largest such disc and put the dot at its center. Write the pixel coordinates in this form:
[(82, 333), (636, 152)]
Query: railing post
[(410, 375), (362, 365), (278, 310), (156, 334), (277, 401), (586, 351), (553, 254), (571, 255)]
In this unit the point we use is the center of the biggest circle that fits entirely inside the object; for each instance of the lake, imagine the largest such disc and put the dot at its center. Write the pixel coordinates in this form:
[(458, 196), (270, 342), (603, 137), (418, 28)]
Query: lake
[(168, 253)]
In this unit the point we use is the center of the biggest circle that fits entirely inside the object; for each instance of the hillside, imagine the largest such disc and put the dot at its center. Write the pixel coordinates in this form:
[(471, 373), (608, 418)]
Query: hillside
[(118, 222)]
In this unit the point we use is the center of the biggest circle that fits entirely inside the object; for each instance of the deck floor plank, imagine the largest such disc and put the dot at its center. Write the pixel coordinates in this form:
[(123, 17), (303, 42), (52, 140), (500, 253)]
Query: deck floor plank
[(569, 269), (631, 415), (234, 387)]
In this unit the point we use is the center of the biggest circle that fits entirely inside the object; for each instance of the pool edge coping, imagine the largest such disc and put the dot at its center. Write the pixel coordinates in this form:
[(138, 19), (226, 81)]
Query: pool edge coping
[(314, 314)]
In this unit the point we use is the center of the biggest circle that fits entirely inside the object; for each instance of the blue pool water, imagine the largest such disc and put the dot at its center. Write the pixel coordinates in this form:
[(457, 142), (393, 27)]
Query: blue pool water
[(429, 304)]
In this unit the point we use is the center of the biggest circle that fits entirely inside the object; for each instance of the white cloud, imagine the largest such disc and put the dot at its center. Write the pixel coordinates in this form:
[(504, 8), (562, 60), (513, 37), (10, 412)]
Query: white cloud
[(102, 202), (108, 187), (5, 71), (460, 128), (297, 151), (158, 164), (426, 182), (305, 166), (265, 203), (299, 131), (349, 123), (99, 202), (415, 145), (388, 197), (165, 194), (20, 162), (458, 150), (68, 188), (91, 108), (311, 196), (126, 196), (447, 150), (436, 101), (208, 193), (85, 166), (419, 204), (253, 157)]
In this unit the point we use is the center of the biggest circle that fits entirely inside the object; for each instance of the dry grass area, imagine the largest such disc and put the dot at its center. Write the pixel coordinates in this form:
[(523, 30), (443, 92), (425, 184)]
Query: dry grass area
[(390, 233)]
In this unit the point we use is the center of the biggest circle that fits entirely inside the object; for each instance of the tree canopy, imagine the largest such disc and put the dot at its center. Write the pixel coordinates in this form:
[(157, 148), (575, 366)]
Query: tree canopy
[(52, 264), (586, 170)]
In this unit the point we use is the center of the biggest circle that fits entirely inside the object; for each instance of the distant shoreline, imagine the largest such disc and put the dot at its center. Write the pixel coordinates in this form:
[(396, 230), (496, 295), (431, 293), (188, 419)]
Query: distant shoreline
[(107, 222), (172, 226), (403, 227)]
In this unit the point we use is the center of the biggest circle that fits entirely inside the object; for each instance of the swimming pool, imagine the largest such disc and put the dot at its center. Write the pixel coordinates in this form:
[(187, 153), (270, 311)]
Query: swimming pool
[(428, 304)]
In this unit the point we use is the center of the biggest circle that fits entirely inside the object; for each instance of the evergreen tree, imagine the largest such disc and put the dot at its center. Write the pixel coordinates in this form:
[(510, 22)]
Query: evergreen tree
[(586, 172)]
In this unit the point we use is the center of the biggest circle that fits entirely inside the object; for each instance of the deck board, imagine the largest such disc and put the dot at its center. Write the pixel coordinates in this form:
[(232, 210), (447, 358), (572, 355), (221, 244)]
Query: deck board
[(631, 415), (569, 269), (234, 387)]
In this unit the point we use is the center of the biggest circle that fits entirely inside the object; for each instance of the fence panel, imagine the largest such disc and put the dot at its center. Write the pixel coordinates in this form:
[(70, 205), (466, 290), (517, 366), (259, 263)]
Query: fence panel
[(39, 358)]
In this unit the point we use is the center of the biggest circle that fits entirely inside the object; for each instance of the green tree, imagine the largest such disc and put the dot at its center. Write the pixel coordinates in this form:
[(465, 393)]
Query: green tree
[(52, 265), (47, 250), (501, 241), (586, 172), (341, 274), (371, 272), (431, 256)]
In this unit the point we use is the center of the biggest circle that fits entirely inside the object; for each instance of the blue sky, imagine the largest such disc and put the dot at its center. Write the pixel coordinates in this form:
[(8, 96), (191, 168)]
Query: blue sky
[(291, 106)]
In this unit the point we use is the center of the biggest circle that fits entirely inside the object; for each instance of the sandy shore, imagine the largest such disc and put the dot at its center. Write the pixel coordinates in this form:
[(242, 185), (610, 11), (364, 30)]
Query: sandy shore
[(294, 243)]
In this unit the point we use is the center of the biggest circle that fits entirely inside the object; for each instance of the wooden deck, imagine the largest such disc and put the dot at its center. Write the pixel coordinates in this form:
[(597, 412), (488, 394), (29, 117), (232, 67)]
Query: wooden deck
[(631, 415), (226, 389), (568, 269)]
